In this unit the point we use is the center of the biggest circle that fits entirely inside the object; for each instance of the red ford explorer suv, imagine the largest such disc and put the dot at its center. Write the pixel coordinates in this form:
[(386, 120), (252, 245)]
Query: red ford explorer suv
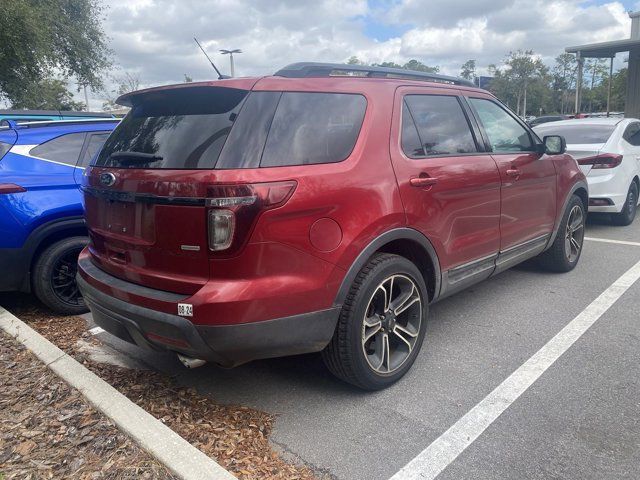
[(319, 209)]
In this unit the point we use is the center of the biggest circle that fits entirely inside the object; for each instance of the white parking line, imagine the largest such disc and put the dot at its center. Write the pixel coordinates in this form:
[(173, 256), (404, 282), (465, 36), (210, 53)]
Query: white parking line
[(446, 448), (96, 330), (608, 240)]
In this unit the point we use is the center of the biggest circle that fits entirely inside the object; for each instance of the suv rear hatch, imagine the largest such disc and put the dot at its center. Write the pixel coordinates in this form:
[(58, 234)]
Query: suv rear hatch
[(145, 196), (181, 179)]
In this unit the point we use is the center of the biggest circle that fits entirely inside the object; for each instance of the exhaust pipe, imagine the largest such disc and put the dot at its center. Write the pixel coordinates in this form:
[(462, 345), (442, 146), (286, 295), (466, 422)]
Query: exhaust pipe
[(190, 362)]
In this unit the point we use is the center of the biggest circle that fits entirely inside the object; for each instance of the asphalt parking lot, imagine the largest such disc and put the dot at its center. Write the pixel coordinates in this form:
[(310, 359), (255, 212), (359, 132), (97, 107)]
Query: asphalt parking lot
[(579, 419)]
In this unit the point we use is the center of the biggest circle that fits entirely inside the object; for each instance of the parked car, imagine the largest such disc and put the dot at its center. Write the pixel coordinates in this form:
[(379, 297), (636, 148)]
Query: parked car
[(22, 116), (319, 209), (41, 218), (608, 151), (548, 118)]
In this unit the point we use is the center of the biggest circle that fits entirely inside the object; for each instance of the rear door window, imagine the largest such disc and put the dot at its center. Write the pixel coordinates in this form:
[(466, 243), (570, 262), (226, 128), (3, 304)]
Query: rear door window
[(632, 134), (435, 125), (505, 133), (64, 149), (181, 128)]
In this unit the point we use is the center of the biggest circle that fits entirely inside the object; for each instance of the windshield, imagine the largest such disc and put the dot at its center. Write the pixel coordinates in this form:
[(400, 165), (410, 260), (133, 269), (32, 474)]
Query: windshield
[(182, 128), (577, 134)]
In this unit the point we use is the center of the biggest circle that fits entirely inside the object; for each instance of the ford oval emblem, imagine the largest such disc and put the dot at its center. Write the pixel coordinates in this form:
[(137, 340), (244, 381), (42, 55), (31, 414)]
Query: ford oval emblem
[(107, 179)]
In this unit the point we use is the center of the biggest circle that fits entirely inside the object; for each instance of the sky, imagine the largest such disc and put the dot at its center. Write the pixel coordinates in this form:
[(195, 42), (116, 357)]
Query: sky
[(153, 39)]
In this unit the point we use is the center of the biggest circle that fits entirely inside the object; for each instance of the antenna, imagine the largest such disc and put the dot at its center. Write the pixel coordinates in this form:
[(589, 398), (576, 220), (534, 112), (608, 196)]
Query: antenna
[(220, 76)]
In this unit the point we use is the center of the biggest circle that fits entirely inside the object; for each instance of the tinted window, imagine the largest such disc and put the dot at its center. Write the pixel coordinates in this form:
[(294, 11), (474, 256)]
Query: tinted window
[(442, 127), (247, 138), (63, 149), (411, 145), (95, 142), (632, 134), (311, 128), (579, 133), (504, 132), (177, 128)]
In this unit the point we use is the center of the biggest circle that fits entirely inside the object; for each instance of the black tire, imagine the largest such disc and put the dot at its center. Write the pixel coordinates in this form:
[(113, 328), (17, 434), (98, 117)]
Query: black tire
[(345, 355), (628, 213), (557, 258), (54, 276)]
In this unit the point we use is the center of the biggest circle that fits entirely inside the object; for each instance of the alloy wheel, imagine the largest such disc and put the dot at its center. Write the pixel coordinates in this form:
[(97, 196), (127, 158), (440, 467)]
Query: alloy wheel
[(391, 324), (574, 236), (63, 278)]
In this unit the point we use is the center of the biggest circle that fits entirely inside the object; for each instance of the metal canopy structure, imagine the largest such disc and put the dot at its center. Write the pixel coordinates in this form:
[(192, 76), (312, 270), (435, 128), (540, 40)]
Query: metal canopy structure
[(609, 50), (605, 49)]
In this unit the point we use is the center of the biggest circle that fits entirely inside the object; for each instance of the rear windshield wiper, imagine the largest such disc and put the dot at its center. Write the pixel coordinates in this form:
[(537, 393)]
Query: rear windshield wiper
[(132, 158)]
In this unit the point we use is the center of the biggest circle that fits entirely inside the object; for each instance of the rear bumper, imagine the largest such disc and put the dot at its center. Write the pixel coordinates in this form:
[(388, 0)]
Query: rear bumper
[(610, 186), (227, 345)]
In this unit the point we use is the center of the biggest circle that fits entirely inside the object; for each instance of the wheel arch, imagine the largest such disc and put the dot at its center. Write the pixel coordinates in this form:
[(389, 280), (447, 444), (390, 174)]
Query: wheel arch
[(581, 189), (406, 242), (46, 235)]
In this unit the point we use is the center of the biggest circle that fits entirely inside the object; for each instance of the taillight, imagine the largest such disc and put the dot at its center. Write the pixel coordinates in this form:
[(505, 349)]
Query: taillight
[(233, 210), (11, 188), (605, 160)]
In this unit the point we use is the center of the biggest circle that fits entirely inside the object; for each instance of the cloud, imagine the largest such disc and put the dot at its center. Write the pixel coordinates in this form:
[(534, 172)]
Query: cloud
[(154, 38)]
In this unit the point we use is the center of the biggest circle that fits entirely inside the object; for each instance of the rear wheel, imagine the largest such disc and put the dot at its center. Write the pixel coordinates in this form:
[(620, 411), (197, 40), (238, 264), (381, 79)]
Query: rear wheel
[(628, 213), (54, 276), (381, 325), (566, 249)]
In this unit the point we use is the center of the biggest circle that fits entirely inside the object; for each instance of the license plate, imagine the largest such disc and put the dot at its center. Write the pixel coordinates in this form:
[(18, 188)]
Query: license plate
[(185, 310)]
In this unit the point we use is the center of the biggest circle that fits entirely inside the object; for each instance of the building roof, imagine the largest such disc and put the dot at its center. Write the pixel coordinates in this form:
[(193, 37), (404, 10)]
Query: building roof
[(605, 49)]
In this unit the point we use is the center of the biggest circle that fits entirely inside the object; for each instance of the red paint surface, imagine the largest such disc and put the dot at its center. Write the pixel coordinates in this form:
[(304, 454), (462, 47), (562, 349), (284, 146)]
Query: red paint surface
[(295, 257)]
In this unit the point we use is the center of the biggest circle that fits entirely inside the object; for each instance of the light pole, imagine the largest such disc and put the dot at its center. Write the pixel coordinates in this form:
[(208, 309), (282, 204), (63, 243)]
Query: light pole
[(230, 53)]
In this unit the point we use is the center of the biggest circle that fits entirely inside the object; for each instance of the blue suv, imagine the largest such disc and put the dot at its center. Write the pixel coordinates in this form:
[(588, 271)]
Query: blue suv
[(41, 218)]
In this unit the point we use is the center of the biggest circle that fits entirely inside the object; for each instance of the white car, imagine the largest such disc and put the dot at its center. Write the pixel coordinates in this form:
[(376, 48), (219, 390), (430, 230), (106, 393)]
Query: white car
[(608, 152)]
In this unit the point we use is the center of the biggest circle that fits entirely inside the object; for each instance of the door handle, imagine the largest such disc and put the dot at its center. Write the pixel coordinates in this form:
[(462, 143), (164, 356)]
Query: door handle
[(513, 172), (423, 180)]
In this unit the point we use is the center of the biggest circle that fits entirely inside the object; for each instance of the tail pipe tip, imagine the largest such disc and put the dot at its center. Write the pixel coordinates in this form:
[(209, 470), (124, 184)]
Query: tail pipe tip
[(191, 362)]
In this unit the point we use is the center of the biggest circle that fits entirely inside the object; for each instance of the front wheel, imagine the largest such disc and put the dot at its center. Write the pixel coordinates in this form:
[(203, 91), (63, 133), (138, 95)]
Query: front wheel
[(381, 325), (54, 276), (628, 213), (566, 249)]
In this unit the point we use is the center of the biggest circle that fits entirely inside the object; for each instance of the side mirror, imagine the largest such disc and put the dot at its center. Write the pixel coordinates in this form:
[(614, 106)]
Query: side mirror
[(554, 144)]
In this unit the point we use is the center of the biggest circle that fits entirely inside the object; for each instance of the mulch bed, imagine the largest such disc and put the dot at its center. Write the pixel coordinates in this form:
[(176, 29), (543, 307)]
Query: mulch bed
[(47, 430), (235, 436)]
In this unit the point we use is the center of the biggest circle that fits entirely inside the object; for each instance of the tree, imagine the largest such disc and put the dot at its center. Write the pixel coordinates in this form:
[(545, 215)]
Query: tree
[(353, 60), (40, 37), (563, 80), (468, 70), (47, 94), (420, 67), (187, 78), (388, 65), (596, 72), (522, 70), (414, 65), (128, 82)]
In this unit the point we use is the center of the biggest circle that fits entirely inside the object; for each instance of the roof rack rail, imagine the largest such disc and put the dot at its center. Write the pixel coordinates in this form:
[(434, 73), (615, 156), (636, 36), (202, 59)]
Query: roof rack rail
[(312, 69), (52, 123)]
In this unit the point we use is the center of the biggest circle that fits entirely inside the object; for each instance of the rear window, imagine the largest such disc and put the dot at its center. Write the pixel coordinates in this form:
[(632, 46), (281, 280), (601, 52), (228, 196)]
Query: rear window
[(174, 129), (217, 127), (577, 134)]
